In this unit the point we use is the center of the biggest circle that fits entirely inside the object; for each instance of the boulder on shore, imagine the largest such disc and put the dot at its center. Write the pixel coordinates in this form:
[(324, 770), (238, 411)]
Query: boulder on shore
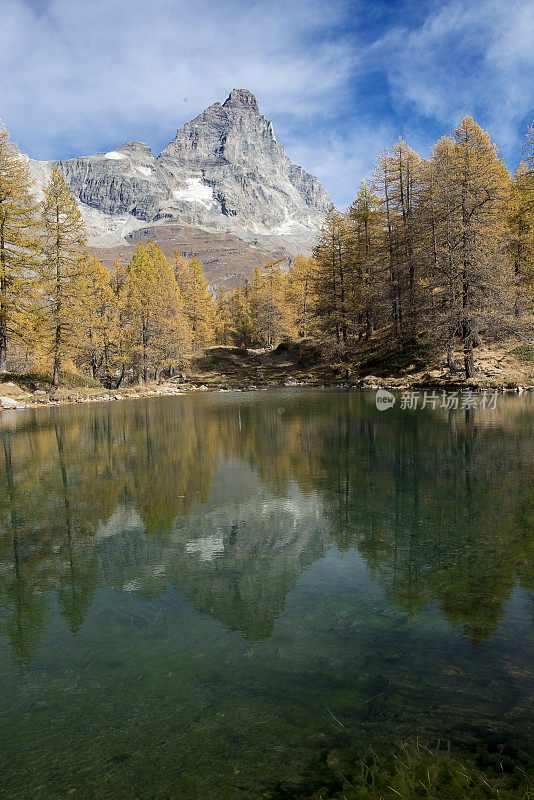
[(8, 402)]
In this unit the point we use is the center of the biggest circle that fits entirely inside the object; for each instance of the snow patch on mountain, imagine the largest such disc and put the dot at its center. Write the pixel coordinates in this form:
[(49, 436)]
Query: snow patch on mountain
[(287, 227), (123, 519), (195, 192), (223, 172), (108, 229)]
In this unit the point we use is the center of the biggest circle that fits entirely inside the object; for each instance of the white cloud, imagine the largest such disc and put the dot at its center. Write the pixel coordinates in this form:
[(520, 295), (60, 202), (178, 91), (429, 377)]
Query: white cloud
[(343, 161), (81, 77), (84, 72), (473, 58)]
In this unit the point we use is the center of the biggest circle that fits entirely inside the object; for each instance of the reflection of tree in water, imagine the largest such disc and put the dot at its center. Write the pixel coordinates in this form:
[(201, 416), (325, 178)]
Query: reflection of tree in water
[(440, 508), (23, 607), (80, 569), (442, 512)]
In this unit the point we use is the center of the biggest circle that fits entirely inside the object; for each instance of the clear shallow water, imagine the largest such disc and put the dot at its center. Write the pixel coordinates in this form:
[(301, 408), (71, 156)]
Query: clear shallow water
[(199, 595)]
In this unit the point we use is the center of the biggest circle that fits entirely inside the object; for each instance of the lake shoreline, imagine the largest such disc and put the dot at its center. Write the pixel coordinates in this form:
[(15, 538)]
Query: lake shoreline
[(25, 401)]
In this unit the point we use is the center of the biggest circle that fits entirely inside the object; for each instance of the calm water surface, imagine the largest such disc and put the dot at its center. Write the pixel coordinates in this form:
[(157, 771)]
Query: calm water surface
[(200, 595)]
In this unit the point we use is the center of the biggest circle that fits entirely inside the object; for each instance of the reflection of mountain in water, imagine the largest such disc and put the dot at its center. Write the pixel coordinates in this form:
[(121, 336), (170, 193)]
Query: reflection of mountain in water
[(236, 561), (229, 498), (241, 572)]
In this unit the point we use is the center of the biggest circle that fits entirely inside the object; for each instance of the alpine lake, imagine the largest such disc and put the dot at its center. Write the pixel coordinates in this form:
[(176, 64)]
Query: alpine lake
[(204, 597)]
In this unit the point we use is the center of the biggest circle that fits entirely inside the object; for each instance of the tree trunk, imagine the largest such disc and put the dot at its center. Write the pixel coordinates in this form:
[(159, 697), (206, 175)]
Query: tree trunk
[(55, 376), (342, 294), (57, 363), (451, 361), (469, 364), (121, 377), (305, 308), (95, 366), (3, 345), (3, 320), (368, 324), (58, 305), (393, 281)]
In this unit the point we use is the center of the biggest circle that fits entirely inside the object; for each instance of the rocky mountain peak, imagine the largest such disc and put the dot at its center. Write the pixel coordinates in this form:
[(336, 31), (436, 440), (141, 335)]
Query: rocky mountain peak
[(224, 173), (241, 98), (135, 148)]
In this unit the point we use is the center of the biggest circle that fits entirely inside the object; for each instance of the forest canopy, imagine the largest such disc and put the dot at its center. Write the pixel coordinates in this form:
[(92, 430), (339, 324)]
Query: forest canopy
[(439, 250)]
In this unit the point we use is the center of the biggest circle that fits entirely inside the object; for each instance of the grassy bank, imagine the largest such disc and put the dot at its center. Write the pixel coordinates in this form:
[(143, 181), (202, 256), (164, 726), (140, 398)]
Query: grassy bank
[(379, 362), (398, 364)]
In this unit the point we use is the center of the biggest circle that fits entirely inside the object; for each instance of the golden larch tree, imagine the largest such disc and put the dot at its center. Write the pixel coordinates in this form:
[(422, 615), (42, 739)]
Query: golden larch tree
[(299, 291), (100, 319), (332, 278), (62, 272), (198, 303), (156, 330), (19, 247), (475, 276)]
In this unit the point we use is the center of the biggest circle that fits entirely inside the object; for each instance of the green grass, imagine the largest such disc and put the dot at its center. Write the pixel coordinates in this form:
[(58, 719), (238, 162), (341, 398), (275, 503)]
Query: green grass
[(43, 380), (272, 366), (304, 353), (413, 771), (397, 358), (525, 352)]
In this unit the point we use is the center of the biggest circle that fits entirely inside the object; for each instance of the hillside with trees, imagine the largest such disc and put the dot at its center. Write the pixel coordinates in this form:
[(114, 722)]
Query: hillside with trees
[(434, 254)]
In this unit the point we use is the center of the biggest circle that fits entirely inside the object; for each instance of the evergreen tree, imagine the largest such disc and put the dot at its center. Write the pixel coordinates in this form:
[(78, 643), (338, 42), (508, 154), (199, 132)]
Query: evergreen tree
[(62, 271), (19, 241), (156, 330), (299, 292), (198, 304)]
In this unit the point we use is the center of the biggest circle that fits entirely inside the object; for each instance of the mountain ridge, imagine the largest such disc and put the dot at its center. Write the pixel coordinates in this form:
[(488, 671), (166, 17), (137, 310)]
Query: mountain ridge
[(224, 173)]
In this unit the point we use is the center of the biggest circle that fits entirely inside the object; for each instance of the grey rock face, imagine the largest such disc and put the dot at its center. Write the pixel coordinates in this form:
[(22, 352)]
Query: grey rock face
[(224, 171)]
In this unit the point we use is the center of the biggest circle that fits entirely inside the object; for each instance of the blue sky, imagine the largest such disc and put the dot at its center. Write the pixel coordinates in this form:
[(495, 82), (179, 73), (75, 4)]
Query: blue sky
[(340, 79)]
